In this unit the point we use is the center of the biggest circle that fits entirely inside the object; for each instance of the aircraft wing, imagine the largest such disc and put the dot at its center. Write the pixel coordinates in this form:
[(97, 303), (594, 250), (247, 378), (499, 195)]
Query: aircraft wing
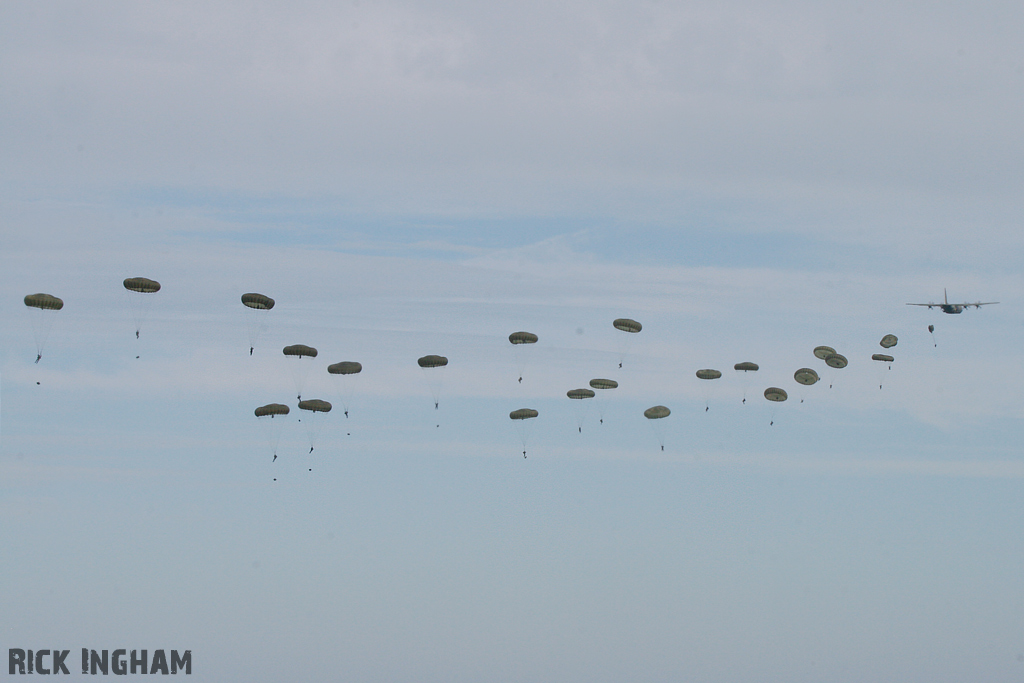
[(928, 305), (978, 304)]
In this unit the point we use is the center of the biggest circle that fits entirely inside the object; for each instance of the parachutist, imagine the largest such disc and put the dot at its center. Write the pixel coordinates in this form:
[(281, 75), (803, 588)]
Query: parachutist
[(37, 383), (620, 365), (744, 400), (520, 380), (706, 408), (275, 458), (136, 334), (524, 454), (435, 405), (136, 356), (601, 420), (38, 357), (346, 413), (310, 449), (581, 430), (663, 447), (250, 350), (771, 423)]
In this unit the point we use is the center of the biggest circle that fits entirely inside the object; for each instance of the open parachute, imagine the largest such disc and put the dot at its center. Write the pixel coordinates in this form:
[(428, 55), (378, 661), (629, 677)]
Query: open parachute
[(258, 305), (140, 304), (519, 418), (43, 320)]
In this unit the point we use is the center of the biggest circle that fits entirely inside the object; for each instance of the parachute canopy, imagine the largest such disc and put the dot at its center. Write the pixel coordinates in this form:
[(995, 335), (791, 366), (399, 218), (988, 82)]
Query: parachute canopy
[(627, 325), (775, 394), (836, 360), (523, 414), (931, 328), (822, 352), (272, 409), (46, 302), (258, 301), (432, 361), (300, 351), (345, 367), (657, 412), (142, 284), (580, 393), (806, 376), (603, 384), (315, 405), (522, 338), (882, 357), (708, 374), (746, 366), (888, 341)]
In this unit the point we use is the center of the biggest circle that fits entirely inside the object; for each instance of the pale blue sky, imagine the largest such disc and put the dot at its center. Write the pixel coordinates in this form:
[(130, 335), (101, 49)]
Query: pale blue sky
[(748, 180)]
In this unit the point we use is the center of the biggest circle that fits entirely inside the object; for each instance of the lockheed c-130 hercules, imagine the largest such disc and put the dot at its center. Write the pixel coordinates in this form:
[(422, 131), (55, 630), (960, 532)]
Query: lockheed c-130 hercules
[(955, 308)]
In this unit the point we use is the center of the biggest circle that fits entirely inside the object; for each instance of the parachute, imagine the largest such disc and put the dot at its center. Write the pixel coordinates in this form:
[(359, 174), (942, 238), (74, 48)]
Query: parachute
[(522, 338), (271, 419), (654, 416), (519, 418), (882, 369), (931, 330), (518, 339), (314, 423), (42, 321), (836, 360), (258, 304), (581, 407), (775, 395), (822, 352), (346, 367), (299, 368), (744, 369), (432, 376), (806, 376), (140, 304), (708, 374), (888, 341), (626, 325), (602, 385)]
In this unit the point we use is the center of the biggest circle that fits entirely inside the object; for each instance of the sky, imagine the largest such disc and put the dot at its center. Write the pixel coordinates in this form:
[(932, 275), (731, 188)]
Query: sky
[(747, 180)]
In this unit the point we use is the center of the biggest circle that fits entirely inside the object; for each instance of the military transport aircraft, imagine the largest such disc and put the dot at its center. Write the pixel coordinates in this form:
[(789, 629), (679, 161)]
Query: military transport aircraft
[(955, 308)]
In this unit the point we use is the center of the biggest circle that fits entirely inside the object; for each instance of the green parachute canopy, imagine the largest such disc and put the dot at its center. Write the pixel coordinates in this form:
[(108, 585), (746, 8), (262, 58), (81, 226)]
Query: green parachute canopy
[(603, 384), (882, 357), (315, 405), (523, 414), (46, 302), (522, 338), (345, 367), (300, 351), (142, 284), (272, 409), (258, 301), (822, 352), (775, 394), (806, 376), (708, 374), (836, 360), (746, 366), (627, 325), (580, 393), (657, 412), (432, 361), (888, 341)]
